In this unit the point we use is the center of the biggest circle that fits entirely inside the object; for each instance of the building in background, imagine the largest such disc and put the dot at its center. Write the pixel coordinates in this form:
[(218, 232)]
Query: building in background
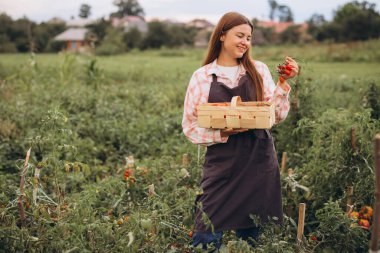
[(203, 35), (76, 36), (130, 22), (272, 32)]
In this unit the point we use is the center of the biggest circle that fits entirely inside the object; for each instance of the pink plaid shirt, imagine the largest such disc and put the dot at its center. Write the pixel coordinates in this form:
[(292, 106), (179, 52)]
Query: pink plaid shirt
[(198, 92)]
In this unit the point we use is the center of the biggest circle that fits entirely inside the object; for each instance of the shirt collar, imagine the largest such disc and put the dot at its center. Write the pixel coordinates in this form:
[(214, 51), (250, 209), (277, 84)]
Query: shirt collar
[(212, 68)]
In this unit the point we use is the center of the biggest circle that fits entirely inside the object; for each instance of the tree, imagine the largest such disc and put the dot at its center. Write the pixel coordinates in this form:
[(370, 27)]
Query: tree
[(157, 35), (99, 29), (128, 8), (315, 25), (273, 6), (181, 35), (23, 35), (317, 19), (285, 14), (358, 21), (291, 35), (20, 33), (6, 45), (352, 21), (44, 33), (132, 38), (85, 11), (112, 43)]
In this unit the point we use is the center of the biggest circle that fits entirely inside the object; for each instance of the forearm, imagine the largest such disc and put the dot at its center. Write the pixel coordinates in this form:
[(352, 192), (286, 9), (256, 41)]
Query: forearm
[(202, 136), (281, 100)]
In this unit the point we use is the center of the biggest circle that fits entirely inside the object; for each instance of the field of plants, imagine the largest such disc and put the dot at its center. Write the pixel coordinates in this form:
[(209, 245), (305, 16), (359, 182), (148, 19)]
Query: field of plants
[(83, 116)]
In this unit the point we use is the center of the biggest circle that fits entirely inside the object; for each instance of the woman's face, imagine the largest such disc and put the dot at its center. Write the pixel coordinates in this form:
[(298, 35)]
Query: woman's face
[(236, 41)]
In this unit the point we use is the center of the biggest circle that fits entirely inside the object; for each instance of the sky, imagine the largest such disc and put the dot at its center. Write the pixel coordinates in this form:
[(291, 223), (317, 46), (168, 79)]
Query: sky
[(180, 10)]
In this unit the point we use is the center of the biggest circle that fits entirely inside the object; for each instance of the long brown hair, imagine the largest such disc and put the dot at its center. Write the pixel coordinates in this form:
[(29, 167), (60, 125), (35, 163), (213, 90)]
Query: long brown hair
[(228, 21)]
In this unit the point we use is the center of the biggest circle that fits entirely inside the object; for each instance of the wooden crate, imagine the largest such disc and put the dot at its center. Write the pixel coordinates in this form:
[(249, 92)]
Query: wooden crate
[(237, 114)]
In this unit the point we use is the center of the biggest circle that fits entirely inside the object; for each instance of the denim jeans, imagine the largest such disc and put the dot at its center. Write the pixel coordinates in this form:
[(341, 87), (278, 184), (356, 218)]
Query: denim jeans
[(208, 239), (215, 239)]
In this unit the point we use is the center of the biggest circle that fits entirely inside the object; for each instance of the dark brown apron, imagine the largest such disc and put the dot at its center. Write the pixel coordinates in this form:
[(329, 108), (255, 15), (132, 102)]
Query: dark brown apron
[(240, 177)]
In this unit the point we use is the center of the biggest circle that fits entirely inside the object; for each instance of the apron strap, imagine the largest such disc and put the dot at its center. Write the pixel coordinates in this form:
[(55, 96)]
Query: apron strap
[(214, 79)]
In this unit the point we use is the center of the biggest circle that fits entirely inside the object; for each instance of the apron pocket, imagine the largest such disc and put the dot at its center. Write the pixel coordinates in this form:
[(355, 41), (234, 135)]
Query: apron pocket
[(220, 160), (265, 155)]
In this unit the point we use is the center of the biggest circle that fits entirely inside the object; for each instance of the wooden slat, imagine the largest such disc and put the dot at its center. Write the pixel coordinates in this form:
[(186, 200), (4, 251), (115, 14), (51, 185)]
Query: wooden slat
[(251, 115), (376, 219)]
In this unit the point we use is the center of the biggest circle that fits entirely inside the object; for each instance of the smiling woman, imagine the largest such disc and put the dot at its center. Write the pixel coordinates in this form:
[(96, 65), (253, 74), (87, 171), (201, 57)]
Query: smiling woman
[(236, 42), (240, 173)]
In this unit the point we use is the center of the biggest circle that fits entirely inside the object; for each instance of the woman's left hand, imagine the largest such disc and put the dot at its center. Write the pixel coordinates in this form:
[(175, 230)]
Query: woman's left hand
[(295, 68)]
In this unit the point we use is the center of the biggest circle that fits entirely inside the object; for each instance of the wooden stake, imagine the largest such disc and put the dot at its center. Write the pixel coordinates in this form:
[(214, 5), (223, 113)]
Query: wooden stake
[(35, 184), (283, 163), (301, 222), (130, 161), (22, 190), (289, 210), (185, 160), (349, 193), (376, 219), (353, 139)]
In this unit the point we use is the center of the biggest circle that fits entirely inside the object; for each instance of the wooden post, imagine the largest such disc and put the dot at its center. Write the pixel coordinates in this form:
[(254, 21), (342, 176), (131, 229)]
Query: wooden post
[(353, 139), (22, 190), (289, 210), (36, 183), (289, 207), (349, 193), (301, 222), (283, 163), (130, 161), (376, 219), (185, 160)]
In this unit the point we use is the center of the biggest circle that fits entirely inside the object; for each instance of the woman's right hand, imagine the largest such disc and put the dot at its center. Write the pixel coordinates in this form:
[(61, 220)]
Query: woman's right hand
[(230, 131)]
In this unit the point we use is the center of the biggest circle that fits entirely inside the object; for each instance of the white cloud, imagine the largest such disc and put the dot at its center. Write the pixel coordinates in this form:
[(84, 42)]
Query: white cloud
[(19, 8)]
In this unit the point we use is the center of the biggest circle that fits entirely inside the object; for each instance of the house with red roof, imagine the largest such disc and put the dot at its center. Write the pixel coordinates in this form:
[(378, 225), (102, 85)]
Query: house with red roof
[(129, 22), (276, 29)]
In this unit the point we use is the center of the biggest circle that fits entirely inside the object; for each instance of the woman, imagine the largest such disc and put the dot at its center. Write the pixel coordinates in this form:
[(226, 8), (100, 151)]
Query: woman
[(240, 173)]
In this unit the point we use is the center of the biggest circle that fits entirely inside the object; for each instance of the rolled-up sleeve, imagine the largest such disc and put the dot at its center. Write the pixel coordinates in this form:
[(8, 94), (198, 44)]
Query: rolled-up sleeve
[(277, 95), (195, 95)]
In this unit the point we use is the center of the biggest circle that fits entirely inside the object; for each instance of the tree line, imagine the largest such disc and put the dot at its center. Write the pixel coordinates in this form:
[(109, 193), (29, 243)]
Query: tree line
[(352, 21)]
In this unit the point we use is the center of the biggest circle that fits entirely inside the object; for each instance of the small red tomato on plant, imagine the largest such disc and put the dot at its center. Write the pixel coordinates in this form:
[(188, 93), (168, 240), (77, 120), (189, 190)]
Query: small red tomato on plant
[(283, 70), (364, 223), (354, 215), (120, 221), (313, 238), (127, 174), (366, 212)]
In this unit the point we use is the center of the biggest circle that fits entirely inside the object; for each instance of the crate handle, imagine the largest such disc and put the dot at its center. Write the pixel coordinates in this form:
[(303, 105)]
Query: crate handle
[(235, 101)]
